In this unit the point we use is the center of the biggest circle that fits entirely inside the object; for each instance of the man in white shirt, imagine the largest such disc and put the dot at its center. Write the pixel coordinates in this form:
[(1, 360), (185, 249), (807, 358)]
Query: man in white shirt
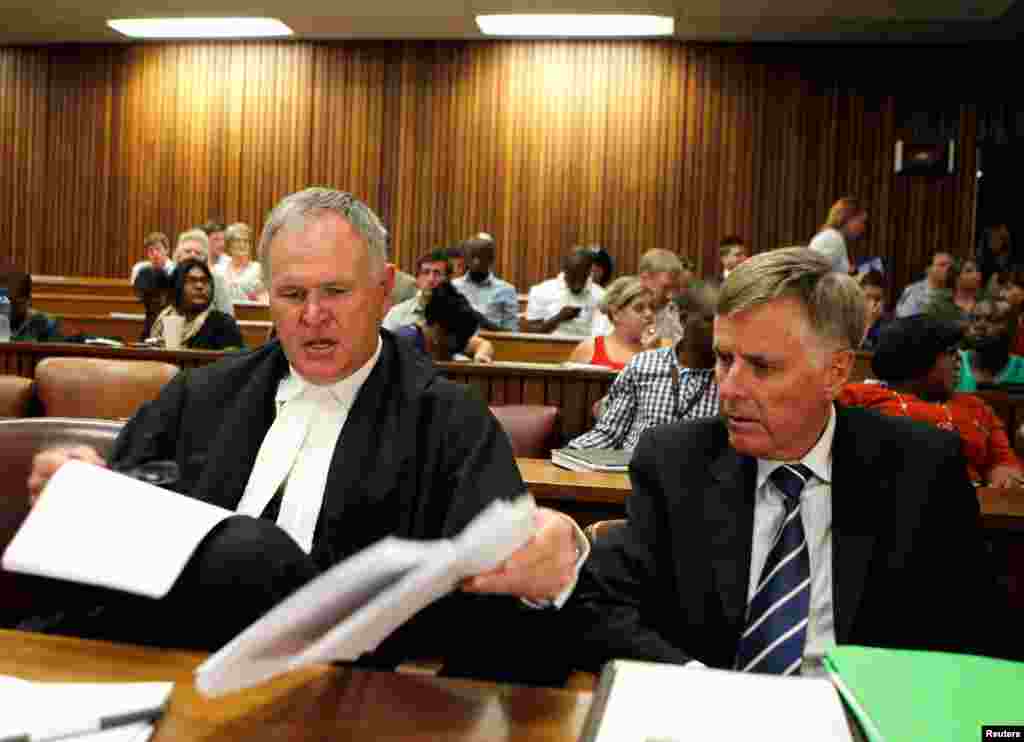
[(758, 540), (917, 296), (566, 304), (431, 271), (390, 448), (156, 248)]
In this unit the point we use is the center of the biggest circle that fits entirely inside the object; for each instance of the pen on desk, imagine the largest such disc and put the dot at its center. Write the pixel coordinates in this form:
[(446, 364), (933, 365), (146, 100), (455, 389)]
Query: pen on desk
[(87, 727)]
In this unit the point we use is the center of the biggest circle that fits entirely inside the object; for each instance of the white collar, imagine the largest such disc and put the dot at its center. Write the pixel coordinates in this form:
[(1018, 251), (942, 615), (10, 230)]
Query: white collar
[(818, 459), (343, 392)]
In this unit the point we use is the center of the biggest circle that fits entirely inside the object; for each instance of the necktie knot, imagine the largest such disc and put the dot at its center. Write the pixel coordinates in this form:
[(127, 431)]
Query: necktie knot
[(790, 480)]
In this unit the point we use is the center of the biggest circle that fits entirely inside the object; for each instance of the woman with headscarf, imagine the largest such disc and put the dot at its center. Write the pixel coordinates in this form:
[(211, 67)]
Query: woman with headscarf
[(204, 328), (918, 363)]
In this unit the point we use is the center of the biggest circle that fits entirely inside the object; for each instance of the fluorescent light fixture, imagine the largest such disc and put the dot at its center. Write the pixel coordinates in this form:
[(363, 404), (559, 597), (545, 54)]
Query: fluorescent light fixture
[(199, 28), (589, 25)]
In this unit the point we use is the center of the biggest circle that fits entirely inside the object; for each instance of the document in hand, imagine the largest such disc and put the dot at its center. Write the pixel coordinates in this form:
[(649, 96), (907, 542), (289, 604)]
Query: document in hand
[(650, 701), (107, 712), (903, 694), (354, 606), (97, 518)]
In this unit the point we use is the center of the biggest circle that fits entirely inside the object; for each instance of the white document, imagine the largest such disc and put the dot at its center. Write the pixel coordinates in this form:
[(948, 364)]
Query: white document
[(98, 527), (45, 709), (353, 607), (650, 701)]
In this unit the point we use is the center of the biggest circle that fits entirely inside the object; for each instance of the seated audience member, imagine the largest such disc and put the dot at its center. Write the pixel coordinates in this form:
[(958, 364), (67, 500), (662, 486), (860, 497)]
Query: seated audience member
[(659, 386), (986, 358), (216, 235), (155, 290), (205, 327), (1013, 293), (457, 258), (431, 272), (956, 302), (725, 561), (847, 221), (732, 251), (567, 303), (628, 305), (661, 271), (195, 245), (493, 299), (917, 362), (916, 296), (156, 247), (405, 287), (242, 274), (27, 324), (873, 285), (409, 454), (603, 267), (448, 328), (998, 253)]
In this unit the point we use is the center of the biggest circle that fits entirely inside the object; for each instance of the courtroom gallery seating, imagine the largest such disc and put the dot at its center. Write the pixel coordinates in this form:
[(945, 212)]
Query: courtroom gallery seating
[(98, 387), (15, 395), (533, 429), (20, 440)]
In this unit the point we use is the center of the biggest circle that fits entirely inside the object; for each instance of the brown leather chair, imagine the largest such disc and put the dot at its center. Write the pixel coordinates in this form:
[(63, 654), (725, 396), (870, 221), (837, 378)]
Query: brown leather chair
[(15, 395), (533, 429), (20, 441), (98, 387)]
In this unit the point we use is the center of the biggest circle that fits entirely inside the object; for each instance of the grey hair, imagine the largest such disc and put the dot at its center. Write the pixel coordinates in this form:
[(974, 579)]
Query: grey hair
[(312, 202), (834, 303), (193, 235), (659, 260), (621, 292)]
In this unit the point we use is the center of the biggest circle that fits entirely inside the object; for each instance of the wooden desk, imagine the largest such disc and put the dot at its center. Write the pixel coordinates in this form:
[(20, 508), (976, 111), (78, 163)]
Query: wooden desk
[(21, 358), (86, 286), (313, 704), (585, 496), (530, 347)]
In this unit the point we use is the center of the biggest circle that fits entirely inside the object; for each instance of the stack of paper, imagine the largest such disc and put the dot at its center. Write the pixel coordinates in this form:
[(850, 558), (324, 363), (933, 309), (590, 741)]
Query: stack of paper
[(97, 712), (592, 459)]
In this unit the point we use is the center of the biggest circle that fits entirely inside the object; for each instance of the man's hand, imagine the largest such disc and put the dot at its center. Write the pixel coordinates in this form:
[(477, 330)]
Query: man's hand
[(46, 463), (1005, 476), (568, 313), (540, 569)]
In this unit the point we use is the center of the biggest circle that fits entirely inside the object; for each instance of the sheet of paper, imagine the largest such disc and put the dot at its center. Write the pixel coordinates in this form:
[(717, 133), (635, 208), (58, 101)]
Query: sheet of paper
[(352, 607), (98, 527), (34, 707), (671, 702)]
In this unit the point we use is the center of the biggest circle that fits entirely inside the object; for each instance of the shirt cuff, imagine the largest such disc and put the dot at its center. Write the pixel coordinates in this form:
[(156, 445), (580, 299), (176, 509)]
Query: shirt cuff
[(582, 552)]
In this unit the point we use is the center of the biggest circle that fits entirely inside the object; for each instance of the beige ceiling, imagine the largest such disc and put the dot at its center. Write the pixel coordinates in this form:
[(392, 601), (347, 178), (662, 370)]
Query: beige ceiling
[(49, 21)]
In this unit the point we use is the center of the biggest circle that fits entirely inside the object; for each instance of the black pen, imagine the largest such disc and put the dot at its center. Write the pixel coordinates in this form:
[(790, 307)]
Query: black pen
[(104, 722)]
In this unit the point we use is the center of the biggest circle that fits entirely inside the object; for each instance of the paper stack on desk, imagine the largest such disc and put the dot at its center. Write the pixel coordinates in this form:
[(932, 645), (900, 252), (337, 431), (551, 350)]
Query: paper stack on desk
[(93, 712)]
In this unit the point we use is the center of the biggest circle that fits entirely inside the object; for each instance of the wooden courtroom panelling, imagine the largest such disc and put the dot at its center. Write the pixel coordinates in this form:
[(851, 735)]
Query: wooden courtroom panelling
[(544, 144), (530, 347), (129, 328), (21, 358)]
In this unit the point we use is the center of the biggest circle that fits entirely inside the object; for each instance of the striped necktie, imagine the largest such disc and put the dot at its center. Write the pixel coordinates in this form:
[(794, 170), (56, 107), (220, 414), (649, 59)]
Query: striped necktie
[(776, 628)]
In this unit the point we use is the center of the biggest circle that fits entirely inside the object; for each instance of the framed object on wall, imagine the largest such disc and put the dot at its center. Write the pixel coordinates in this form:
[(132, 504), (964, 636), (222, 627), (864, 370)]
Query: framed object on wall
[(936, 158)]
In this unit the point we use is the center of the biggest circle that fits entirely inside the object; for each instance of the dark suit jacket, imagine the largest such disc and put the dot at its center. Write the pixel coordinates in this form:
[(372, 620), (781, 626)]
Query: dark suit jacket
[(418, 458), (908, 559)]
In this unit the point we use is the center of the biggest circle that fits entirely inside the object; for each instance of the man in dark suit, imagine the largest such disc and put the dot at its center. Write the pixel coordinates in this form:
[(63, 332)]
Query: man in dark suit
[(392, 448), (883, 541)]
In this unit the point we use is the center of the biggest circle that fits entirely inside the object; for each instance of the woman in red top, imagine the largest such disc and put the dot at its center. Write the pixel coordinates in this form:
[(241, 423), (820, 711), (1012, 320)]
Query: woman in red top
[(917, 361), (628, 305)]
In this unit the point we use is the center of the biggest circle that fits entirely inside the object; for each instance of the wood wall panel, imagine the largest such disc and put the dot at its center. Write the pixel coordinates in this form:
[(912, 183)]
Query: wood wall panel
[(544, 144)]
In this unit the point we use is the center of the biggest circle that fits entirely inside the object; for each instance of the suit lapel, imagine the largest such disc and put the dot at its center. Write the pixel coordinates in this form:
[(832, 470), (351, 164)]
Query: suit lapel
[(853, 509), (730, 521)]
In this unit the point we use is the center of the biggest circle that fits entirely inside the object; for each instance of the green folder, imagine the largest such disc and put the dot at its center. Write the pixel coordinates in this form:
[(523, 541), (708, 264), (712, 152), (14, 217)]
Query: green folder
[(910, 696)]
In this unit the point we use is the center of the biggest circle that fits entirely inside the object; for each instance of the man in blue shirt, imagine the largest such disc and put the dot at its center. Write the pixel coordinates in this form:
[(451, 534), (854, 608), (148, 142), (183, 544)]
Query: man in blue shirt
[(494, 300)]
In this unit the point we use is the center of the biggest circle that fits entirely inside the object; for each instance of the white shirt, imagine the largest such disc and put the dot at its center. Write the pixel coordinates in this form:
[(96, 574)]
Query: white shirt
[(816, 515), (547, 298), (305, 498), (831, 243)]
